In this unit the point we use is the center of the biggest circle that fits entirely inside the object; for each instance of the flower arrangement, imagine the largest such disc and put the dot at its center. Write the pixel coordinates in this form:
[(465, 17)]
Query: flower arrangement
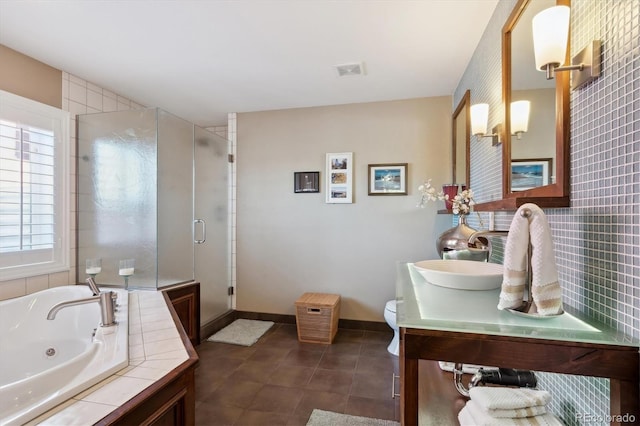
[(428, 193), (461, 203)]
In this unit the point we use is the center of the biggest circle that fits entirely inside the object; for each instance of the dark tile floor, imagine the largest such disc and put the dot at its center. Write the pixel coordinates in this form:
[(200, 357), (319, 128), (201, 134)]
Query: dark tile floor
[(279, 381)]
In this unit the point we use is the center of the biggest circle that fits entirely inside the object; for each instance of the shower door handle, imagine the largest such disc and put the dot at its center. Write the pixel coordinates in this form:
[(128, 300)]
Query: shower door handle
[(204, 230)]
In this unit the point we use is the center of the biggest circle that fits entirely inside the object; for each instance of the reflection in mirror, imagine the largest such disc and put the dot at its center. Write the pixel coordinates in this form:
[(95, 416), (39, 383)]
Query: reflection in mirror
[(461, 136), (533, 151), (535, 161)]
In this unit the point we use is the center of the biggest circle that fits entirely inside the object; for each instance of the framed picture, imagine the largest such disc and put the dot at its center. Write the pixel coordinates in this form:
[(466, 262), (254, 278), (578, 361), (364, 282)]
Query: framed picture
[(388, 179), (530, 173), (306, 182), (339, 177)]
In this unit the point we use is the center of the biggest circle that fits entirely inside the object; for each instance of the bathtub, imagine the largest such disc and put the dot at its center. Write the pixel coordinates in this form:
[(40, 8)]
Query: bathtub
[(45, 362)]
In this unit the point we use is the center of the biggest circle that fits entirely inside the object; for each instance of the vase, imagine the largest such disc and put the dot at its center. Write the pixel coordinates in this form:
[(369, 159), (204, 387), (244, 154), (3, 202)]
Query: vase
[(454, 243), (451, 190)]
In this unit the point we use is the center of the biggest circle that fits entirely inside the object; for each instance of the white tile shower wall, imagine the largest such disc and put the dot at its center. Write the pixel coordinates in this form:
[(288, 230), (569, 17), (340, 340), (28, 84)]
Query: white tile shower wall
[(597, 239), (219, 130), (78, 97)]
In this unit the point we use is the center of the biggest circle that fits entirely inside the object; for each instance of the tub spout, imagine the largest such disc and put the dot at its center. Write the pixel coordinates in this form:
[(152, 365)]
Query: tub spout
[(104, 299), (93, 286)]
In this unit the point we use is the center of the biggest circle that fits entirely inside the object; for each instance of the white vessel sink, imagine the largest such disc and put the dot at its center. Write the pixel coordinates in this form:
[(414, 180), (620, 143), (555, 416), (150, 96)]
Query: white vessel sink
[(461, 274)]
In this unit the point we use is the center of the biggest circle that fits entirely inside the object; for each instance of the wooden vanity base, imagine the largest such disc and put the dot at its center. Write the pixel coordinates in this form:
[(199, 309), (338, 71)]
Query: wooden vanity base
[(621, 364)]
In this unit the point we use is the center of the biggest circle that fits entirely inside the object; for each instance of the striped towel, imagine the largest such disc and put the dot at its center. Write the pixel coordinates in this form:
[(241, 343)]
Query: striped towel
[(473, 415), (503, 398), (547, 294)]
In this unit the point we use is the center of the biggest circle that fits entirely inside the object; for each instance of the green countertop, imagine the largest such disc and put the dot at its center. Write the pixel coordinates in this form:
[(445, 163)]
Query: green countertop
[(422, 305)]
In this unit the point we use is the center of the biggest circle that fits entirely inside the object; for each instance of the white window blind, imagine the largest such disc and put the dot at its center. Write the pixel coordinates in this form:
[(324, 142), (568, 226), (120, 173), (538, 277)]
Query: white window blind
[(34, 189)]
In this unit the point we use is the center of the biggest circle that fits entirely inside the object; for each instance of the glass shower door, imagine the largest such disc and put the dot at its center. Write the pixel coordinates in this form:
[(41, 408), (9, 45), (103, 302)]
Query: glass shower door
[(175, 200), (211, 228)]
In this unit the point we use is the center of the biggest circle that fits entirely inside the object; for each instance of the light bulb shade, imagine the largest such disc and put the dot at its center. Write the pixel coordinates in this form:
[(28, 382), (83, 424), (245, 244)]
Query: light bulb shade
[(479, 118), (520, 116), (550, 36)]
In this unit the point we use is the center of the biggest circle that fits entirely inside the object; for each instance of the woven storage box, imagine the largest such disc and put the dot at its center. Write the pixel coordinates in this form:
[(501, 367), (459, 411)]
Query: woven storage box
[(317, 317)]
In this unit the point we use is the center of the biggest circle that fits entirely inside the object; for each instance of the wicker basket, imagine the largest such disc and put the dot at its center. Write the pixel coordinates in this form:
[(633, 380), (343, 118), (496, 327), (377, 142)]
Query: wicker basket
[(317, 317)]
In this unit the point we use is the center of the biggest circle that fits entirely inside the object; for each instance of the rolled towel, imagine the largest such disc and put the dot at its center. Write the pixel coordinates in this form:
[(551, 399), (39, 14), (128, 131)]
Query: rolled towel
[(513, 413), (502, 398), (465, 418), (479, 417), (546, 291)]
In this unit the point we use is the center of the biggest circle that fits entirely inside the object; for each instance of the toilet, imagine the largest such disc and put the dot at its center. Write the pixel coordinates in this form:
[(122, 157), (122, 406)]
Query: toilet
[(390, 317)]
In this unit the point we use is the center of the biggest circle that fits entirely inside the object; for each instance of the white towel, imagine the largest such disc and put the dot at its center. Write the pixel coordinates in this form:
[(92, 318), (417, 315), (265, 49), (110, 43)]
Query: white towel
[(465, 418), (514, 413), (476, 416), (546, 291), (502, 398)]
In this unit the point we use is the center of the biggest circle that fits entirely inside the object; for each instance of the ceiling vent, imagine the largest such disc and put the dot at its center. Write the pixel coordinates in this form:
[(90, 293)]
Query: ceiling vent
[(356, 68)]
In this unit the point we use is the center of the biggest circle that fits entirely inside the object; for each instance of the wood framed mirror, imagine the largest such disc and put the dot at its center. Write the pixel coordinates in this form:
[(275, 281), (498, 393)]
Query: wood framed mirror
[(461, 136), (535, 164)]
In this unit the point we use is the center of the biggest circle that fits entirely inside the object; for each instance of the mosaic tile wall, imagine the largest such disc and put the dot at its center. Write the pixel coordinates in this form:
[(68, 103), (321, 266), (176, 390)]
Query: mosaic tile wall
[(597, 239)]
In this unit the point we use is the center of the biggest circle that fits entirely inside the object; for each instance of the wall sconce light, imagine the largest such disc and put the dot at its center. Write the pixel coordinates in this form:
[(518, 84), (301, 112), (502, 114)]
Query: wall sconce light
[(550, 37), (520, 117), (479, 118)]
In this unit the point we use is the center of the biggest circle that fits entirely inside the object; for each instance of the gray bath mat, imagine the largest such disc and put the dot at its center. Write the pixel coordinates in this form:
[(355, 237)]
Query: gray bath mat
[(329, 418), (242, 332)]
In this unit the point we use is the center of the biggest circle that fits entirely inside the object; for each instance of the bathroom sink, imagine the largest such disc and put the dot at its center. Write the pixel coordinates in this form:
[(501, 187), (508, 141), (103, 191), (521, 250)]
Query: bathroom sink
[(461, 274)]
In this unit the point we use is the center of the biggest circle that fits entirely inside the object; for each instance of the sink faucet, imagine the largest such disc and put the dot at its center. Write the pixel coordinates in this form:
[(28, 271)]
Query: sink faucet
[(485, 233), (479, 239), (104, 299)]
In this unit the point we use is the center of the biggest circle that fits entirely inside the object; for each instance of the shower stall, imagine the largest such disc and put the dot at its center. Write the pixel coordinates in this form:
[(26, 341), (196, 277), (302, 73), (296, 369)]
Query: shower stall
[(153, 191)]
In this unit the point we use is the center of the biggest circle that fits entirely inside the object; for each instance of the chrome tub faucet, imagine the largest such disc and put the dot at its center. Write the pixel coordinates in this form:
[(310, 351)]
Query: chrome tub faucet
[(104, 299)]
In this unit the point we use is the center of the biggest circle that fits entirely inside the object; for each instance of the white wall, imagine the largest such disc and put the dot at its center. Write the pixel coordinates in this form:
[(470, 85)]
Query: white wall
[(540, 139), (288, 244)]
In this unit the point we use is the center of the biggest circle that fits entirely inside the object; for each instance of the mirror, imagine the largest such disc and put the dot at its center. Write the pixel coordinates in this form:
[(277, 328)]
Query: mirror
[(461, 138), (535, 163), (532, 152)]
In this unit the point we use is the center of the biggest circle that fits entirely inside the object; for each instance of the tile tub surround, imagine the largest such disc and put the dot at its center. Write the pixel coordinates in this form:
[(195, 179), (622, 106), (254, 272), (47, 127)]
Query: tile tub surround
[(155, 348)]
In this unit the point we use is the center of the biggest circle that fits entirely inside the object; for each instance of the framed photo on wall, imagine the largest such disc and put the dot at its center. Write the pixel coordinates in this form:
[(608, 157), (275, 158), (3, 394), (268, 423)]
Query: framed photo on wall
[(388, 179), (530, 173), (339, 177), (306, 182)]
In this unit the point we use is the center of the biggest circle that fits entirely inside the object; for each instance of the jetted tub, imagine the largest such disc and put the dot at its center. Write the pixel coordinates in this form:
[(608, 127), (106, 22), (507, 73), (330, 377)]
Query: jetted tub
[(45, 362)]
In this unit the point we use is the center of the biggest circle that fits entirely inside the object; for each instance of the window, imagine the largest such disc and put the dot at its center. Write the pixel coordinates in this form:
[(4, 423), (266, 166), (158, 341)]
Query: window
[(34, 188)]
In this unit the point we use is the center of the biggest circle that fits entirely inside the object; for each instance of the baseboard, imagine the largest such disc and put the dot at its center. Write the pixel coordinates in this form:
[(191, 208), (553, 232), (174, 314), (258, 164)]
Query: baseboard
[(261, 316), (222, 321), (364, 325)]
